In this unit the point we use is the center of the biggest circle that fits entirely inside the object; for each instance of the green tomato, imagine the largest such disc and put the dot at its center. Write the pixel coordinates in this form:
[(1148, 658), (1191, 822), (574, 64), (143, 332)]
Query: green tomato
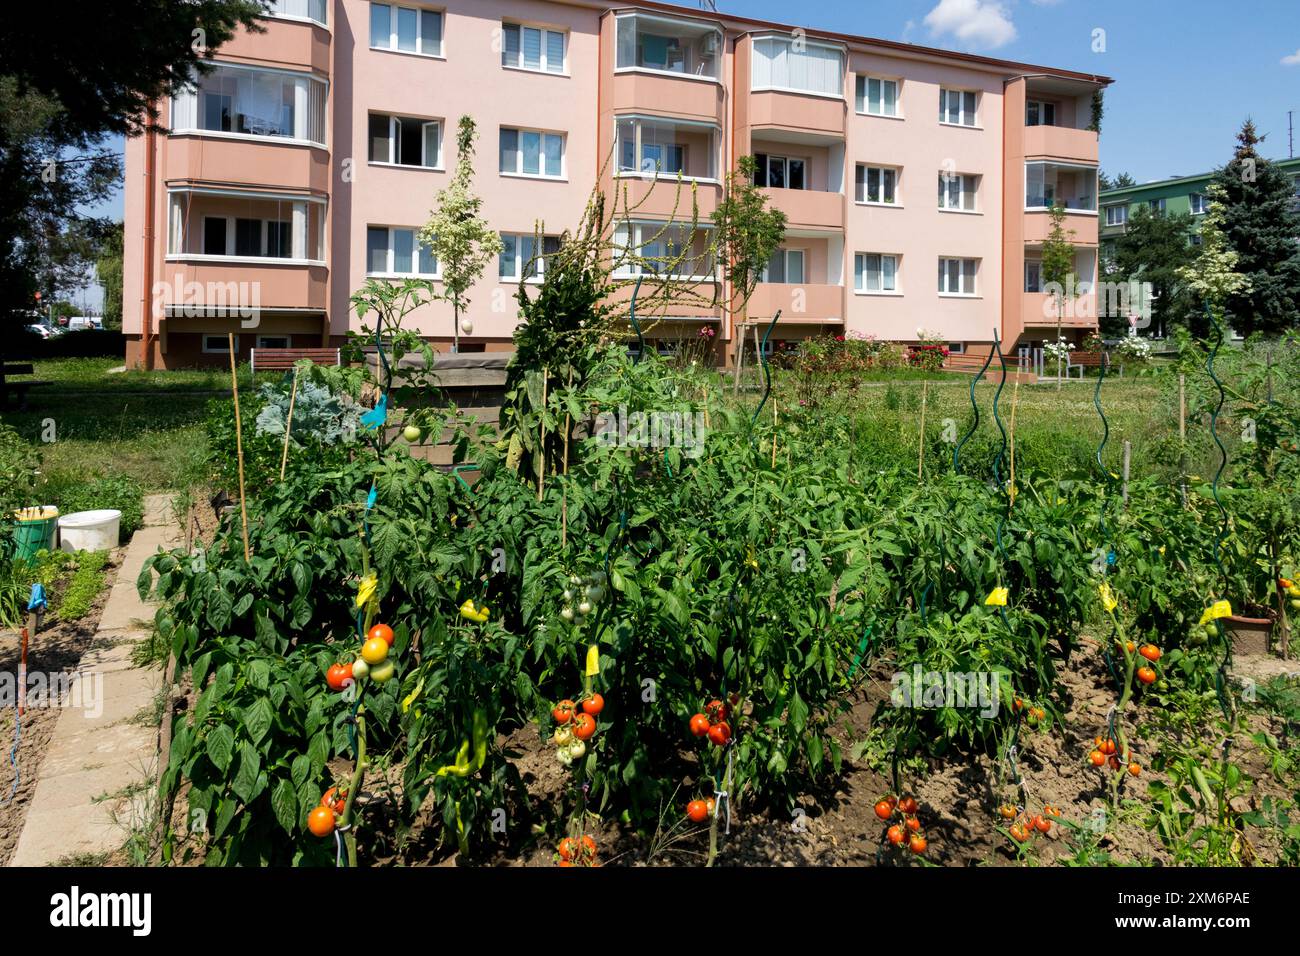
[(584, 608), (382, 673), (577, 749), (360, 668), (567, 613), (411, 434)]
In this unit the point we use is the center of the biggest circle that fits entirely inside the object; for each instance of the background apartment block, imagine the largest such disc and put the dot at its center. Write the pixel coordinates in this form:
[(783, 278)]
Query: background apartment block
[(916, 181)]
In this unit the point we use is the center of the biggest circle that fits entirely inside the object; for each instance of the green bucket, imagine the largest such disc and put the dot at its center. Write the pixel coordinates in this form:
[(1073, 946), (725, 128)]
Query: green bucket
[(34, 530)]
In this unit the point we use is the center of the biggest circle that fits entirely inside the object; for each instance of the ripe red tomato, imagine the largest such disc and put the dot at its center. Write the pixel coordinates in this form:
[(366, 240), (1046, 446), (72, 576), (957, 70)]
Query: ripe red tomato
[(1135, 769), (1042, 824), (913, 824), (697, 811), (338, 676), (1146, 675), (566, 848), (719, 733), (589, 848), (895, 834), (1097, 758), (584, 725), (334, 799), (1114, 762), (1150, 652), (563, 711), (1007, 811), (884, 810), (381, 631), (717, 710), (1107, 747), (594, 704), (907, 804), (700, 725), (321, 821), (918, 844), (1019, 833), (1051, 811)]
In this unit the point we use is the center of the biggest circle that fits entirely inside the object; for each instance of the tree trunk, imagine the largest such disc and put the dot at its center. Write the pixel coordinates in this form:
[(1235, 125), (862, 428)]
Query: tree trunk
[(1059, 308), (455, 329)]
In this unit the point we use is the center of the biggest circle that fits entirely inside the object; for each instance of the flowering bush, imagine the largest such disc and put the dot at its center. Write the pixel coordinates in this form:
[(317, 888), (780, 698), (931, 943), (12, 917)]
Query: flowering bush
[(928, 357), (1058, 351), (1134, 348)]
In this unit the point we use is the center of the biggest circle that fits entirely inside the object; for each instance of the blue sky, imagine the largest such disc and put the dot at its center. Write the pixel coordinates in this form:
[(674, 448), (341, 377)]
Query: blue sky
[(1187, 72)]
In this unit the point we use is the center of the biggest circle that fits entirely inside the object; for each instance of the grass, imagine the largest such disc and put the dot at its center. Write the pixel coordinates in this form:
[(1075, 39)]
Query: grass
[(84, 586), (146, 425)]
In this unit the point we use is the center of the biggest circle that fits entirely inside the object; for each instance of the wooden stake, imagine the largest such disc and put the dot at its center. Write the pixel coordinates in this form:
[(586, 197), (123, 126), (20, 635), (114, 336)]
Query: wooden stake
[(564, 490), (239, 445), (920, 452), (541, 438), (288, 424), (758, 357), (1128, 455), (1015, 404), (773, 431), (1182, 435), (704, 402)]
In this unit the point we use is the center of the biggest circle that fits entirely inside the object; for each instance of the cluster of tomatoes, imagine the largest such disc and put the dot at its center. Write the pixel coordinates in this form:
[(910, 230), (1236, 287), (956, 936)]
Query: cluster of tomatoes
[(1023, 827), (576, 723), (1104, 751), (372, 662), (908, 830), (582, 595), (1292, 592), (712, 722), (697, 811), (580, 852), (323, 817), (1033, 715), (1150, 653)]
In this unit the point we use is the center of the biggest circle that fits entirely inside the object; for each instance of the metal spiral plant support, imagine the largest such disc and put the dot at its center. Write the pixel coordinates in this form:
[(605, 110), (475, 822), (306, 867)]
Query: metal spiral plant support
[(636, 326), (1221, 675), (767, 373), (1099, 457)]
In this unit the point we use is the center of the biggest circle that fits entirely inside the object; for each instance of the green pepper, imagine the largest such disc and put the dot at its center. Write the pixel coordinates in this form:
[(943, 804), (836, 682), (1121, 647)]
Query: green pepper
[(463, 766)]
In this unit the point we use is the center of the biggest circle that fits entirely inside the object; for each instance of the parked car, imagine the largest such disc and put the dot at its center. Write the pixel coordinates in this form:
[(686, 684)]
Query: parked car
[(80, 322), (44, 331)]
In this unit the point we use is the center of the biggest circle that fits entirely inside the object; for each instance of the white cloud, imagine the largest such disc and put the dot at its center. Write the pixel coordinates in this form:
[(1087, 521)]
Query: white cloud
[(979, 23), (1292, 59)]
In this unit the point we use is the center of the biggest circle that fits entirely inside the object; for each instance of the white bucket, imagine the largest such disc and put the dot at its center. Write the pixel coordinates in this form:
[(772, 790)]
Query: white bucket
[(89, 530)]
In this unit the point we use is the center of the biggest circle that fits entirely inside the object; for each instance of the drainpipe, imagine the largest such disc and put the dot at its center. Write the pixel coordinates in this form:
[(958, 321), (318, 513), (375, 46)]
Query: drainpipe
[(146, 297)]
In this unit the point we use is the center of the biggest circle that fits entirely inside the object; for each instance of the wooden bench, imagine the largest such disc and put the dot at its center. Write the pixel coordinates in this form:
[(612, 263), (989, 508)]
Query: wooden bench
[(19, 389), (1082, 360), (280, 360), (961, 362)]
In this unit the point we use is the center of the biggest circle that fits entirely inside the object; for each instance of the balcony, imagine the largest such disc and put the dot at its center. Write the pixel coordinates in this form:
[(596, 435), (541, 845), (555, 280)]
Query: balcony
[(808, 209), (805, 303), (202, 287), (667, 167), (1063, 143), (1038, 310), (1038, 225), (795, 84), (247, 161), (295, 41), (667, 66), (818, 118)]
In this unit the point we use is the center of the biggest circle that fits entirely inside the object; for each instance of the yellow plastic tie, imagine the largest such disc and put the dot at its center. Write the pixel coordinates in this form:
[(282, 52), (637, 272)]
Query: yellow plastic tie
[(997, 597), (1216, 610), (593, 661)]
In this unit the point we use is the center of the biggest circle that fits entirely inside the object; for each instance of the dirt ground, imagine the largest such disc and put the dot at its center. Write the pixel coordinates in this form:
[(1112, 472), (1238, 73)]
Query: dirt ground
[(57, 647)]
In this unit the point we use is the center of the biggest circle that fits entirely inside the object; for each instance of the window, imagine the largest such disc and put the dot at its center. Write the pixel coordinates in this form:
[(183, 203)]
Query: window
[(660, 247), (1060, 184), (1196, 239), (873, 272), (1157, 206), (780, 172), (248, 102), (957, 191), (225, 223), (527, 152), (1039, 113), (218, 344), (1200, 204), (299, 9), (957, 276), (519, 253), (1033, 275), (403, 141), (667, 45), (786, 266), (274, 341), (957, 107), (781, 63), (1116, 215), (396, 251), (648, 146), (532, 48), (405, 29), (877, 97), (877, 184), (246, 236), (956, 348)]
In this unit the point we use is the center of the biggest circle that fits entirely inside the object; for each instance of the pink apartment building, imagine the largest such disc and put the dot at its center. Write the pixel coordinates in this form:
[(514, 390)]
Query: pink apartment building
[(916, 181)]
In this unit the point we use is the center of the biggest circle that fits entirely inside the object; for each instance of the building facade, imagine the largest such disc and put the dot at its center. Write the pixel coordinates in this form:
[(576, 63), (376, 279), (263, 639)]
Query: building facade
[(1178, 196), (916, 182)]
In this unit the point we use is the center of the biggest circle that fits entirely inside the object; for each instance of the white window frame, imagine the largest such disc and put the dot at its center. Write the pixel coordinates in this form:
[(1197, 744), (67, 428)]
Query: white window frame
[(1204, 203), (263, 238), (518, 171), (788, 255), (178, 219), (867, 168), (636, 240), (862, 96), (416, 246), (276, 13), (956, 348), (544, 58), (964, 179), (1037, 265), (394, 123), (668, 21), (520, 261), (225, 344), (962, 293), (419, 30), (882, 256), (1043, 107), (757, 87), (1121, 210), (945, 95), (1156, 205), (188, 125), (785, 163)]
